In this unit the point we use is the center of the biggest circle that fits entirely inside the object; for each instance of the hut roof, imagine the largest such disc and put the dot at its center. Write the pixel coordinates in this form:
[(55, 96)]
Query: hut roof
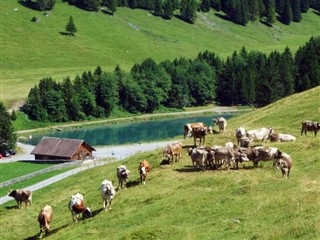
[(59, 147)]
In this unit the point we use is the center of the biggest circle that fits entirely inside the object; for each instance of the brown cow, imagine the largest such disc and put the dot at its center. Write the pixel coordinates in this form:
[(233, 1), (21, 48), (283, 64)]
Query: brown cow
[(21, 195), (188, 128), (199, 132), (173, 150), (76, 206), (144, 169), (285, 164), (310, 126), (44, 219)]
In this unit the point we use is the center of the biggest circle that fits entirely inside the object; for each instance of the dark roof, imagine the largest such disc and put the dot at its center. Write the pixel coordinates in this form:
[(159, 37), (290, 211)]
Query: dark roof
[(59, 147)]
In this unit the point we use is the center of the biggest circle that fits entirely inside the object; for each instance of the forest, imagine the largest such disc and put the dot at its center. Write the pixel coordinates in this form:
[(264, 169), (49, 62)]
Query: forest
[(245, 78), (237, 11)]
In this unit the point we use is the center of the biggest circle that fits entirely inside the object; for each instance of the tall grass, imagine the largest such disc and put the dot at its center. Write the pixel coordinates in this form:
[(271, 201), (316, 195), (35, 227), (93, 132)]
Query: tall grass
[(180, 202), (31, 51)]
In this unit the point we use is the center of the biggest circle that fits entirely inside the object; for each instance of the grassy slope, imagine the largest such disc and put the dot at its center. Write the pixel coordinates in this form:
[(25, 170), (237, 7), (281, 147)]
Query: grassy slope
[(179, 202), (31, 51)]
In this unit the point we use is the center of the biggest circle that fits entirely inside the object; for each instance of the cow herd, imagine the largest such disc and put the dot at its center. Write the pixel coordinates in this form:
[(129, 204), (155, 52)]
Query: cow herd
[(76, 204), (202, 156)]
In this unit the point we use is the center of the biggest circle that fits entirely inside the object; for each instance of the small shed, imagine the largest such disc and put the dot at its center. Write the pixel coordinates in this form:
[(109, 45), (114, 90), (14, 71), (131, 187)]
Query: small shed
[(50, 148)]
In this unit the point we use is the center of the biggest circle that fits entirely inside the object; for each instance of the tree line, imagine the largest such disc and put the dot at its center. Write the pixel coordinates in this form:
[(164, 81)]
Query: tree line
[(246, 78), (238, 11)]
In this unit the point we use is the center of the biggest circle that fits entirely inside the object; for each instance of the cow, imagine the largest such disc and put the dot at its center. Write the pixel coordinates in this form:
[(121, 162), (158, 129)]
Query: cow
[(107, 193), (44, 219), (310, 126), (144, 169), (229, 155), (77, 207), (21, 195), (280, 137), (245, 142), (259, 134), (172, 151), (221, 122), (285, 164), (123, 176), (257, 154), (240, 133), (188, 128), (201, 156), (199, 132)]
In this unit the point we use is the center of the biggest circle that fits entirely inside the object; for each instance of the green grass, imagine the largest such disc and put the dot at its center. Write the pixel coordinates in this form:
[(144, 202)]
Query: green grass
[(18, 169), (31, 51), (179, 202)]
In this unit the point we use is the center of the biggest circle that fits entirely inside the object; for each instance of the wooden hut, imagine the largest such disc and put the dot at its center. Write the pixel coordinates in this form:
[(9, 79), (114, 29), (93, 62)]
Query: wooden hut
[(50, 148)]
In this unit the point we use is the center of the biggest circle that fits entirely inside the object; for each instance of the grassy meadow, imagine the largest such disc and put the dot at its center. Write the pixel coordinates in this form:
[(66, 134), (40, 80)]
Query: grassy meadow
[(180, 202), (31, 51)]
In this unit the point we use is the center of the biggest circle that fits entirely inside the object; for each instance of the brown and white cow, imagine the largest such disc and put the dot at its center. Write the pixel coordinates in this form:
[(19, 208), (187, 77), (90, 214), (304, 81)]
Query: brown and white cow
[(172, 151), (44, 219), (281, 137), (221, 122), (259, 134), (188, 128), (77, 207), (21, 195), (310, 126), (285, 164), (144, 169), (123, 176), (199, 133), (107, 193)]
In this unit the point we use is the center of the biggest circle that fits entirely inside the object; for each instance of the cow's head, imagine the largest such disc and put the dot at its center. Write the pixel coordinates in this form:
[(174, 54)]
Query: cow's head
[(12, 193), (86, 213)]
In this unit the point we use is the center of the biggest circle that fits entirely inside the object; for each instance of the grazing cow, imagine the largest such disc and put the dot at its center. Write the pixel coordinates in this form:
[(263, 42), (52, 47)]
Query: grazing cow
[(279, 137), (144, 169), (77, 207), (221, 122), (285, 164), (245, 142), (257, 154), (310, 126), (107, 193), (44, 219), (259, 134), (240, 133), (21, 195), (188, 128), (199, 132), (229, 155), (172, 151), (201, 156), (123, 176)]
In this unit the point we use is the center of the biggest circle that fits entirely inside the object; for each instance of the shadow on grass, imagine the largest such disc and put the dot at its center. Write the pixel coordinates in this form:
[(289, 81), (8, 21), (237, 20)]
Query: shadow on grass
[(133, 183), (12, 207), (45, 235), (67, 34)]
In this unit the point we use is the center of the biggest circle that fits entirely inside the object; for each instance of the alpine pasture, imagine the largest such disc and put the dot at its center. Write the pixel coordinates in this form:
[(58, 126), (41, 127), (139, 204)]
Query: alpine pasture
[(31, 51), (181, 202)]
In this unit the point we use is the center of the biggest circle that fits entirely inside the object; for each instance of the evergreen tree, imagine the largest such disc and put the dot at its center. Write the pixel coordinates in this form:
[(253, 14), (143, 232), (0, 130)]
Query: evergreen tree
[(122, 3), (71, 27), (33, 106), (287, 13), (270, 11), (205, 5), (55, 106), (158, 7), (254, 10), (111, 5), (287, 72), (216, 4), (296, 12), (167, 9), (304, 6), (132, 4), (188, 10), (13, 115), (8, 136), (280, 6), (44, 4)]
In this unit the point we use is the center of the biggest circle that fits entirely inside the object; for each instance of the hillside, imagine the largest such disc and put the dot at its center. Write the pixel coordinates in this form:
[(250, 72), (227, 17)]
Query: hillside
[(31, 51), (179, 202)]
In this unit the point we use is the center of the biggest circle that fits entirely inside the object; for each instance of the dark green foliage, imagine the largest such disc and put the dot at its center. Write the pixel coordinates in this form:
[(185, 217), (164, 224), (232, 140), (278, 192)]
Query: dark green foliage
[(270, 11), (132, 3), (287, 13), (205, 5), (33, 106), (167, 9), (188, 10), (71, 27), (42, 5), (287, 72), (216, 4), (122, 3), (254, 9), (296, 12), (304, 6), (7, 134), (111, 5), (13, 115), (280, 6), (158, 7)]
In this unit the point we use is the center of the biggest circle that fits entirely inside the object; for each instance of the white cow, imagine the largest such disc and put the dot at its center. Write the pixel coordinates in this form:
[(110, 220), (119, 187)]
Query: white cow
[(240, 133), (123, 176), (280, 137), (221, 122), (259, 134), (107, 193), (201, 156)]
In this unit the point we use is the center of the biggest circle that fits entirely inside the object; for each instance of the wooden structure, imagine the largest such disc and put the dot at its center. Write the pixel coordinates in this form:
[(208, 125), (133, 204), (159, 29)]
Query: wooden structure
[(50, 148)]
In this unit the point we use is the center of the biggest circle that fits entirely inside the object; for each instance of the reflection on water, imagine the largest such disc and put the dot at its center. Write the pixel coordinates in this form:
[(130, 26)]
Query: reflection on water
[(124, 133)]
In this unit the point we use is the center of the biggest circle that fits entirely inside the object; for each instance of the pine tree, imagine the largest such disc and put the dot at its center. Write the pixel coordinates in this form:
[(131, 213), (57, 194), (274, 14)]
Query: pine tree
[(111, 5), (304, 6), (157, 7), (296, 12), (254, 10), (216, 4), (270, 11), (167, 9), (205, 5), (71, 27), (8, 136), (286, 13), (188, 10)]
